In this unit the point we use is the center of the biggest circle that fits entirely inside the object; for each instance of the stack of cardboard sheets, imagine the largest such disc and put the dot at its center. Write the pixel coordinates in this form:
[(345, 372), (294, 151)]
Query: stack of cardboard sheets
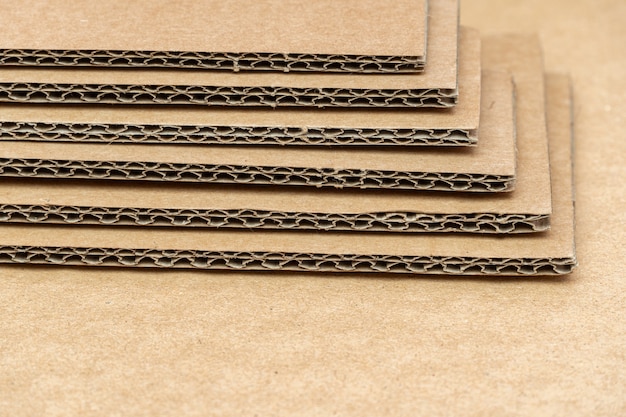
[(339, 136)]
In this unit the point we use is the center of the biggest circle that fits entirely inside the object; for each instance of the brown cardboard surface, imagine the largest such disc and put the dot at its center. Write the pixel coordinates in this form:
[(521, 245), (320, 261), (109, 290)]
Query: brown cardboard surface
[(436, 87), (79, 341), (550, 252), (325, 32), (526, 209), (230, 125), (490, 167)]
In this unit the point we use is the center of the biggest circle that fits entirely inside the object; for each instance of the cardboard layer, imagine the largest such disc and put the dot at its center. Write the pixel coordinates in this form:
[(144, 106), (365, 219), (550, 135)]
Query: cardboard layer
[(550, 252), (286, 35), (436, 87), (490, 167), (527, 209), (258, 126)]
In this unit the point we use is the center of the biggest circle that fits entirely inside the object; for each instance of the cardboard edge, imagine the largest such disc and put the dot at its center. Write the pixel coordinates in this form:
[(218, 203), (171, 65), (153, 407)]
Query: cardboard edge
[(388, 222), (245, 174)]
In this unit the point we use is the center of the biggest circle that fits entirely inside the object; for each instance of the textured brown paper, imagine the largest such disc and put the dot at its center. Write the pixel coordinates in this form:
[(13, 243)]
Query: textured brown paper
[(550, 252), (230, 125), (437, 86), (279, 34)]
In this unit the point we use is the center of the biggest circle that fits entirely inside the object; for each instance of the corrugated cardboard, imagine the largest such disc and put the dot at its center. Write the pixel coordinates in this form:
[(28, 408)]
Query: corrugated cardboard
[(132, 342), (526, 209), (490, 167), (545, 253), (436, 87), (257, 126), (199, 205), (486, 168), (289, 35)]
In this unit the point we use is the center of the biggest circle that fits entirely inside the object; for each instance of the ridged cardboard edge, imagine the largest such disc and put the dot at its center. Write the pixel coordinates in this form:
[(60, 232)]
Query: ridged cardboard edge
[(214, 60), (265, 261), (233, 135), (259, 219), (34, 92), (243, 174)]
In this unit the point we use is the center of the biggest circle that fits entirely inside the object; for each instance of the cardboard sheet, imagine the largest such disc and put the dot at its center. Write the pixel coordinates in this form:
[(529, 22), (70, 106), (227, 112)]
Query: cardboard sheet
[(289, 35), (435, 87), (490, 167), (256, 126), (132, 342), (526, 209), (550, 252)]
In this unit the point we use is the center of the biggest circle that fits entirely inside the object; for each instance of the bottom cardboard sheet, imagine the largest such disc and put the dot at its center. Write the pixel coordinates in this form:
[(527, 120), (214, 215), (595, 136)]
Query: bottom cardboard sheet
[(545, 253)]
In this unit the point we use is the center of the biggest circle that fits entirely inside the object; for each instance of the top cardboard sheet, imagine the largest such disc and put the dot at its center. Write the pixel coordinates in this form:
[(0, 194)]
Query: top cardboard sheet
[(551, 252), (256, 126), (436, 87), (285, 35)]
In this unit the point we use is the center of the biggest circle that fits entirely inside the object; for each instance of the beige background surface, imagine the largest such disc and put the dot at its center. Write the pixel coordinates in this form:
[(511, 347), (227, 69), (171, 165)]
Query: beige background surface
[(116, 342)]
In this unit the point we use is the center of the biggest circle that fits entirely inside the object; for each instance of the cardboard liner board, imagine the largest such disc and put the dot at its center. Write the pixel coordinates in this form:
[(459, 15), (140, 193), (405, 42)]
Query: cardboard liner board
[(436, 87), (457, 126), (548, 253), (486, 168), (294, 35)]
